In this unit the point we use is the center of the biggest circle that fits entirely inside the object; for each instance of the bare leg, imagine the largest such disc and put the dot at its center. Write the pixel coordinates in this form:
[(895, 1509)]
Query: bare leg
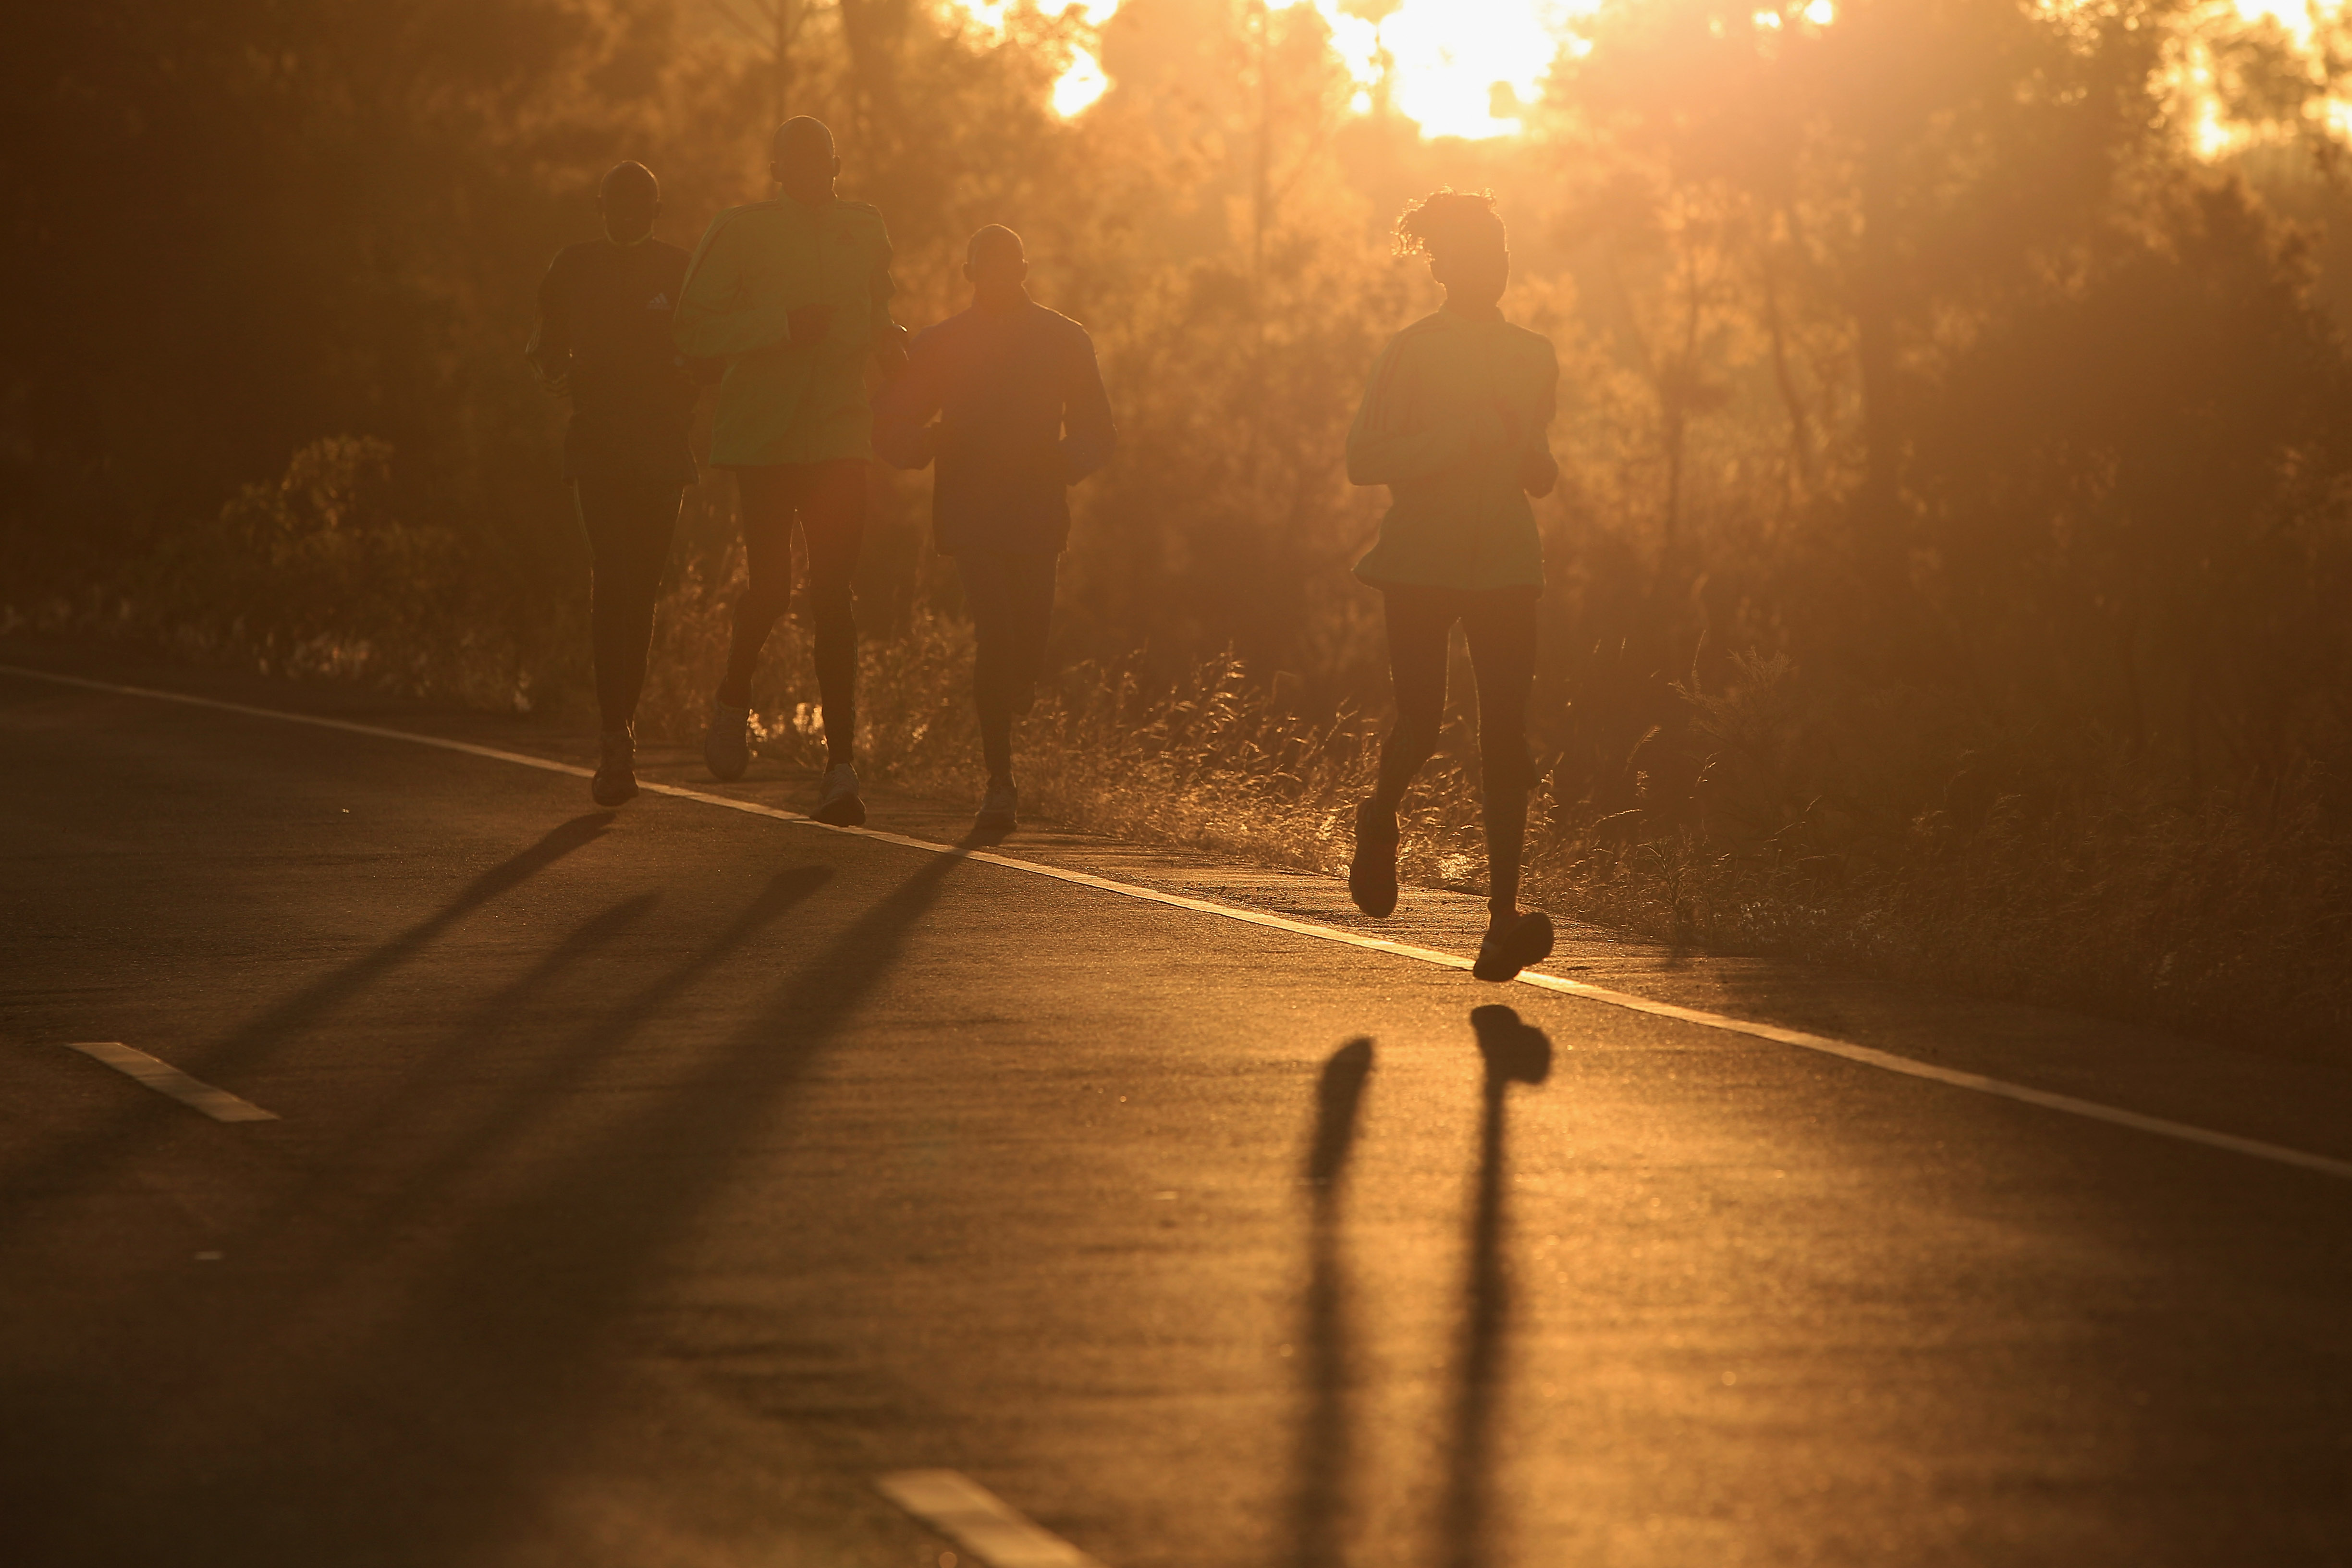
[(832, 522), (765, 498), (1501, 625), (629, 528), (1418, 622)]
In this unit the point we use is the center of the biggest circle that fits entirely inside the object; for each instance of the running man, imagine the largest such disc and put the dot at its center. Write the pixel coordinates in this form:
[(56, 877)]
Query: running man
[(1454, 423), (1022, 418), (794, 294), (603, 338)]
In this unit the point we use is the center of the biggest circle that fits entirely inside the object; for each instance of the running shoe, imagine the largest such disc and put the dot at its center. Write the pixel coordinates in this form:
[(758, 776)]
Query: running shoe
[(1000, 810), (726, 744), (615, 783), (1371, 875), (836, 799), (1511, 948)]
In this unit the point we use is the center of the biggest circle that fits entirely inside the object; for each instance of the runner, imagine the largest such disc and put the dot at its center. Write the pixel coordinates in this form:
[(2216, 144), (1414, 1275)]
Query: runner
[(1453, 424), (1022, 417), (603, 338), (794, 294)]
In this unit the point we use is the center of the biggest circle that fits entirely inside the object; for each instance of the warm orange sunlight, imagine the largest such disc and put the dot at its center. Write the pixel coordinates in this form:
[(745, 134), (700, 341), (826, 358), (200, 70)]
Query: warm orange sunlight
[(1458, 68), (1176, 784), (1466, 68), (2292, 14), (2212, 133)]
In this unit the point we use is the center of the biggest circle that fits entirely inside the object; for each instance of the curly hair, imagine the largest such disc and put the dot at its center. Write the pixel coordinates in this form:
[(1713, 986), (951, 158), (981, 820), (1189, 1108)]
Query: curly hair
[(1439, 220)]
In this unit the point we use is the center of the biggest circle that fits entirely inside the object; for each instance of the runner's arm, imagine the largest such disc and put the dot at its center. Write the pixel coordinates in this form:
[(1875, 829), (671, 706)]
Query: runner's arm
[(715, 319)]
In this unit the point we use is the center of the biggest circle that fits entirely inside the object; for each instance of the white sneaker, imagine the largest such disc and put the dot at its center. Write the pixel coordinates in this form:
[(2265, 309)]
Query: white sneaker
[(836, 800), (1000, 811)]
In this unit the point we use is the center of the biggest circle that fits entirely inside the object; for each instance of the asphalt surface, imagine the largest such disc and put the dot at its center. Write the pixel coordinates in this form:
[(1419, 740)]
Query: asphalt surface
[(647, 1184)]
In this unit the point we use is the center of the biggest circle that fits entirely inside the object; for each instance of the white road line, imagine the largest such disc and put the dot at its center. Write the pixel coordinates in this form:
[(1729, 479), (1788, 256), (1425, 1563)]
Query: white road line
[(1864, 1054), (164, 1079), (1910, 1067), (979, 1521)]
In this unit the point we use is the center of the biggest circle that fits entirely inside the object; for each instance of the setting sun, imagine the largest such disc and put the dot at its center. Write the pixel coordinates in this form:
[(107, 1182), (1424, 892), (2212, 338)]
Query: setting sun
[(1461, 67), (1467, 68), (1458, 67)]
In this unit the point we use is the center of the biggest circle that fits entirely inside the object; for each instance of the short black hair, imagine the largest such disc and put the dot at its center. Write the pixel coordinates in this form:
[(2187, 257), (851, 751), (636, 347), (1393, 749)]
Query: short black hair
[(801, 127), (989, 233), (630, 182), (1443, 219)]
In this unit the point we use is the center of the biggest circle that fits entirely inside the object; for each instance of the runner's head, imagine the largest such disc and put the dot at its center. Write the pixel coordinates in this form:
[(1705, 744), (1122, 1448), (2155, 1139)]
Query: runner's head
[(994, 263), (1464, 239), (803, 160), (629, 199)]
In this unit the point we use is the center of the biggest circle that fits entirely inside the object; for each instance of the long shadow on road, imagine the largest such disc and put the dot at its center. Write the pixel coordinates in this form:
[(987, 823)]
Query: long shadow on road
[(127, 1132), (408, 1393), (1514, 1052), (508, 1314), (530, 1097), (1319, 1512), (360, 1235)]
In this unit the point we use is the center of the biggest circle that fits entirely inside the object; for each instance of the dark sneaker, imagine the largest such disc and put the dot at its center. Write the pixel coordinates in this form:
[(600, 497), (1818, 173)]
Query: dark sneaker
[(1527, 940), (1371, 875), (836, 798), (615, 783), (1000, 811), (726, 744)]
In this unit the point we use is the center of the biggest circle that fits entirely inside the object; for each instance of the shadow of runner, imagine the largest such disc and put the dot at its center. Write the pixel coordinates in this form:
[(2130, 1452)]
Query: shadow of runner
[(1514, 1052), (507, 1314), (528, 1097), (253, 1041), (349, 1286), (313, 1001), (528, 1101), (1325, 1341)]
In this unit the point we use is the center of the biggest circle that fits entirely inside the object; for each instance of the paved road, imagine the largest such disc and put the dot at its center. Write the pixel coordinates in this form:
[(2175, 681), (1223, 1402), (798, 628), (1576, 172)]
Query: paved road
[(646, 1183)]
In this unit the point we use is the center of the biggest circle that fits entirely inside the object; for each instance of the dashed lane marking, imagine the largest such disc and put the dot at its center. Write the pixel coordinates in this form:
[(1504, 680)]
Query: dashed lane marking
[(164, 1079), (1865, 1055), (979, 1521)]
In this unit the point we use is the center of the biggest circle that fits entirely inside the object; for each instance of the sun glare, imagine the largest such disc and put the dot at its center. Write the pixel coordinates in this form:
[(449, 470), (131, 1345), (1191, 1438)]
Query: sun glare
[(1458, 67), (1468, 68), (1461, 67), (2292, 15), (1077, 87)]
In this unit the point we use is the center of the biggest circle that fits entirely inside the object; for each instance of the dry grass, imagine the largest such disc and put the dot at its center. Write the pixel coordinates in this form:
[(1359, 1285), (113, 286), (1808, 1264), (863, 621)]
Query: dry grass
[(2080, 884), (2016, 867)]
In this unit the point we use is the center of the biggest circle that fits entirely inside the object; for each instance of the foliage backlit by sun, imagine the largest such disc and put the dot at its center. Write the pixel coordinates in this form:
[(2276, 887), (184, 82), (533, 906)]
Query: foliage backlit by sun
[(1456, 62), (1452, 62), (1464, 68)]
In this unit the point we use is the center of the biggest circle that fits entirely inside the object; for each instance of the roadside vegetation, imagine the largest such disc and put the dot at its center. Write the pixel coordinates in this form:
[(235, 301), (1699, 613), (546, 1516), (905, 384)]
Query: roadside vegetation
[(1948, 579)]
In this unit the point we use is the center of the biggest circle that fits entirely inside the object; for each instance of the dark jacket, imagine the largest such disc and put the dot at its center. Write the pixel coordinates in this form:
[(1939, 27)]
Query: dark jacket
[(603, 338), (1021, 415)]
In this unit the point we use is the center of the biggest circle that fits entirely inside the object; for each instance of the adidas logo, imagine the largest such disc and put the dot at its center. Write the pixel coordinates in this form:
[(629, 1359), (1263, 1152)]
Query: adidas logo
[(658, 302)]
